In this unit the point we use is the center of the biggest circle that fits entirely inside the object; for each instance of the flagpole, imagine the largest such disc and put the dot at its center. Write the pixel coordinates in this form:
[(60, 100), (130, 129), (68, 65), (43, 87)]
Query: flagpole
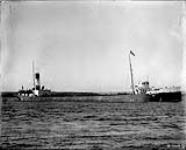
[(131, 75)]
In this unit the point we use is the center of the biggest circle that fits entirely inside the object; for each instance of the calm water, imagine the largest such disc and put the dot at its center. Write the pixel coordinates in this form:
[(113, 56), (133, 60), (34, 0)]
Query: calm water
[(71, 125)]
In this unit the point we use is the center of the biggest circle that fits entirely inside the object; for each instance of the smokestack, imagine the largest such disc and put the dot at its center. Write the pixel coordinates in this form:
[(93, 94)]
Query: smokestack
[(37, 81)]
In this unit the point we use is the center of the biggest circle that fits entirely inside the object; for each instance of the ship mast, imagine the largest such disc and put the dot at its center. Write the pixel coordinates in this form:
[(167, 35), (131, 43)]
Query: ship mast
[(33, 73), (131, 72)]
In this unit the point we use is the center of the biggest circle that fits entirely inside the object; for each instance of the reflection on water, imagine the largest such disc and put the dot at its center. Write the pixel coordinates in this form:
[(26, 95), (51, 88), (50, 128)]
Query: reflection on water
[(71, 125)]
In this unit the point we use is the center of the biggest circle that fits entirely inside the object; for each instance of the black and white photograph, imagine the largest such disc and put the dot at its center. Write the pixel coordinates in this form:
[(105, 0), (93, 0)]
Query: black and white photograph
[(93, 75)]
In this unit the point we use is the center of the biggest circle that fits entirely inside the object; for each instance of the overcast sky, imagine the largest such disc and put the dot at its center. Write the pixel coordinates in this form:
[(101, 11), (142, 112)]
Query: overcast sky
[(84, 46)]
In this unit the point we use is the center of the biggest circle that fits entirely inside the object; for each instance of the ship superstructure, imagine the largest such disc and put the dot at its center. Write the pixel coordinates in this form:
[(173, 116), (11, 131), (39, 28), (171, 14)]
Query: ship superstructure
[(37, 90), (139, 92), (140, 88)]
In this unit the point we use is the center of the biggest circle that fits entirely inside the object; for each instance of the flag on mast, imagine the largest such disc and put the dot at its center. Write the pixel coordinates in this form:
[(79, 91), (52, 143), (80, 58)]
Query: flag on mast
[(132, 53)]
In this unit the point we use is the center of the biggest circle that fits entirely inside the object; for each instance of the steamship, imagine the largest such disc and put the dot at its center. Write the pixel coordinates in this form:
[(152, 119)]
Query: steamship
[(37, 92)]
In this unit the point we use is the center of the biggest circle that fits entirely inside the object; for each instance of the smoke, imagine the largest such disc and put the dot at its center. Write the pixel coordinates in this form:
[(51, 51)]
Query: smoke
[(7, 24)]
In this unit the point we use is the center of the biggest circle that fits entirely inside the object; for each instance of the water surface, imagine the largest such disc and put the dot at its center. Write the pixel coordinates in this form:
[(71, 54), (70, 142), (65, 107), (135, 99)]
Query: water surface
[(78, 125)]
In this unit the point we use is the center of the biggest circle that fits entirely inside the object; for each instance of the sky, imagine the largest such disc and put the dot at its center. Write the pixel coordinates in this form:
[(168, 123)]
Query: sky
[(84, 46)]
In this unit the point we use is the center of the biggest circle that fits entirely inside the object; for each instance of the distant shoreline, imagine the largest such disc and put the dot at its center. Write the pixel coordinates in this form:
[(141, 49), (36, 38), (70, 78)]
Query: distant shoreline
[(63, 94)]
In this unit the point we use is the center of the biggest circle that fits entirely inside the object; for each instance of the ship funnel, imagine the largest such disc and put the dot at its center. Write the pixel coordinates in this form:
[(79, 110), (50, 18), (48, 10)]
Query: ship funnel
[(37, 81), (36, 78)]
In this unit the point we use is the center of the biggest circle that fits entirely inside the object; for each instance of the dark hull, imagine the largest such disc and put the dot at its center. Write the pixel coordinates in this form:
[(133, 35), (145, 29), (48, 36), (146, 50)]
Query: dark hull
[(109, 98), (166, 97)]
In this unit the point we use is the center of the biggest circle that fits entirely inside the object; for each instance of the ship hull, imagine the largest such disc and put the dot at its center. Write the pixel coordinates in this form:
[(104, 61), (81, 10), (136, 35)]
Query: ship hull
[(140, 98), (166, 97)]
